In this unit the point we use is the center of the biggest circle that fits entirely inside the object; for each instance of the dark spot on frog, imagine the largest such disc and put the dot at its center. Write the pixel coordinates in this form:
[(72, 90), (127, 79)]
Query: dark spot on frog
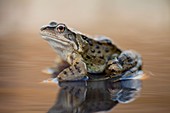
[(92, 50), (75, 66), (97, 47), (108, 42), (88, 57), (102, 57), (65, 72), (106, 50), (112, 70), (77, 62), (83, 47), (100, 61), (90, 64), (71, 71), (99, 52), (90, 42), (59, 78), (79, 70), (85, 59), (99, 43)]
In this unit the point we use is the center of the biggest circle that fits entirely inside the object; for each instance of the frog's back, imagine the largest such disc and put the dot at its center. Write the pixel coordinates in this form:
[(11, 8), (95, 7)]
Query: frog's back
[(98, 54), (100, 49)]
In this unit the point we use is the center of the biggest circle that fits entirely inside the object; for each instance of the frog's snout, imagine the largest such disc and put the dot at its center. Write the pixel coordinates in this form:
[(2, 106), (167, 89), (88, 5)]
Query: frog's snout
[(43, 28)]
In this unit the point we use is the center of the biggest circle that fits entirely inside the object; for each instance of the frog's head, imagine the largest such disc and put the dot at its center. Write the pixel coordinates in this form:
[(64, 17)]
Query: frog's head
[(59, 37)]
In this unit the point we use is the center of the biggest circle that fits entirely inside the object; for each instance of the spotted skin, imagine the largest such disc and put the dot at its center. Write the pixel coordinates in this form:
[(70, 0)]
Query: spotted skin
[(76, 71), (86, 55)]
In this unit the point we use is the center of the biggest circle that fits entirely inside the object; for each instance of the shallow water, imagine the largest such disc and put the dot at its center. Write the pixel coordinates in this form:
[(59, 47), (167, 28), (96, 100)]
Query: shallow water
[(22, 60)]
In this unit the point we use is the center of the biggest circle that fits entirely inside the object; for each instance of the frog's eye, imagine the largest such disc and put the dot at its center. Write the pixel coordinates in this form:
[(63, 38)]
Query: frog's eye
[(61, 28)]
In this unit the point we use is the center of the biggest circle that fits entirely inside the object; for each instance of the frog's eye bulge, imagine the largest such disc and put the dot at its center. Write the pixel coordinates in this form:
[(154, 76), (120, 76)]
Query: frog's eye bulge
[(52, 23), (61, 28)]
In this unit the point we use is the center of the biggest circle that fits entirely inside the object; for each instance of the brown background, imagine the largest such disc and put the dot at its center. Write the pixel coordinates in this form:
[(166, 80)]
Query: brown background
[(142, 25)]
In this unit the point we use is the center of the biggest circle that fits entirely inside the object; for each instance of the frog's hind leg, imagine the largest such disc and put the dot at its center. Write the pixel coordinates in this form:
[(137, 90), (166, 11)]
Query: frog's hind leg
[(128, 61), (132, 64)]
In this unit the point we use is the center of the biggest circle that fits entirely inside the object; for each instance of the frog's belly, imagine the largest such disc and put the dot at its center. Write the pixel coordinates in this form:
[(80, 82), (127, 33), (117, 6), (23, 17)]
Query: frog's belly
[(96, 68)]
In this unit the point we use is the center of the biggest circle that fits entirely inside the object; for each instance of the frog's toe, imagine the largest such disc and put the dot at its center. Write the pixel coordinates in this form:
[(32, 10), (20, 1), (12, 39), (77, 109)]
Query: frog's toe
[(50, 80), (50, 70), (114, 66), (130, 74), (83, 78)]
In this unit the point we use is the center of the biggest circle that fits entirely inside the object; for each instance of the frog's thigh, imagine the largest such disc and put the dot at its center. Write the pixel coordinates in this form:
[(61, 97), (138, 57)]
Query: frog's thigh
[(77, 71)]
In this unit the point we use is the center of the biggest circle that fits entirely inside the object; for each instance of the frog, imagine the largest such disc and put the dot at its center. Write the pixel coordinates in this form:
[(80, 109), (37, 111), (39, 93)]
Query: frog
[(87, 55)]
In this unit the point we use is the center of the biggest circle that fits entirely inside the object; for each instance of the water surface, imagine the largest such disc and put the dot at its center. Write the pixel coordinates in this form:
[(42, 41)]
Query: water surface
[(23, 60)]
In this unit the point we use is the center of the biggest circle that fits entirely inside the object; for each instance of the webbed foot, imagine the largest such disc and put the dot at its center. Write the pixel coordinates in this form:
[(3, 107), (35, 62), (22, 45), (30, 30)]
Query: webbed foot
[(50, 70), (51, 80)]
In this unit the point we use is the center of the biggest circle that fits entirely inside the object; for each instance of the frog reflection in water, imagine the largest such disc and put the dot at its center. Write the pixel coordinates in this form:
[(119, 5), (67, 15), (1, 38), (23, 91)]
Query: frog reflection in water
[(96, 96), (86, 55)]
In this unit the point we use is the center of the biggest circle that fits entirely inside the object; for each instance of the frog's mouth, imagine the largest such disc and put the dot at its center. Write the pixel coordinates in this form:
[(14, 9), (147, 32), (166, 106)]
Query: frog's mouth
[(55, 39), (58, 42)]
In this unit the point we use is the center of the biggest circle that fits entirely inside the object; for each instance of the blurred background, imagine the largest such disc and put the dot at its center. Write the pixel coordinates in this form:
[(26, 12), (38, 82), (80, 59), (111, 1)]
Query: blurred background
[(141, 25)]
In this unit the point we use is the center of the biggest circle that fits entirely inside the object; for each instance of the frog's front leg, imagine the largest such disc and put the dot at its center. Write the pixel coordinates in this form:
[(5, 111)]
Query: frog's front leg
[(127, 60), (77, 71)]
